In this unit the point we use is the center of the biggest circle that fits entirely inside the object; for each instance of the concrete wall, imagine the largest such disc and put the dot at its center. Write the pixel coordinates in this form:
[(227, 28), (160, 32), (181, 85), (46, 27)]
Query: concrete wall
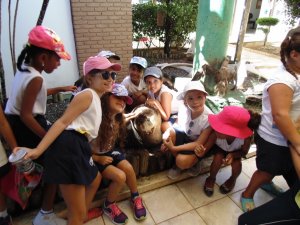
[(103, 24)]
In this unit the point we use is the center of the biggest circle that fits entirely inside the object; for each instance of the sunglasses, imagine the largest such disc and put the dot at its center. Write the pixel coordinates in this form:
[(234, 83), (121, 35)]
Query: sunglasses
[(191, 124), (106, 75)]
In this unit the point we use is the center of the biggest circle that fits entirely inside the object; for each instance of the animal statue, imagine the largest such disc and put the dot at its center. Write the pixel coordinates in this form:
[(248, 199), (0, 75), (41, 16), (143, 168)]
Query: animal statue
[(146, 126)]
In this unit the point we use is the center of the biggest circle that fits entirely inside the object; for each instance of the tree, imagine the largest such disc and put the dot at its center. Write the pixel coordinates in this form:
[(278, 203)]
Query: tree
[(179, 21), (266, 22), (292, 10)]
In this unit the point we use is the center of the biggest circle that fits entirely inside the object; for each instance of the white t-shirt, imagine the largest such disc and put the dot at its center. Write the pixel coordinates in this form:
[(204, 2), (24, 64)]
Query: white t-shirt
[(89, 121), (267, 129), (131, 87), (174, 104), (20, 82), (198, 124), (235, 145)]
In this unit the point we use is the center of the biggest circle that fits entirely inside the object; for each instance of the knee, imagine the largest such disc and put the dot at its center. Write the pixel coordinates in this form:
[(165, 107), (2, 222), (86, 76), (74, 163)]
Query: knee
[(182, 163), (120, 177)]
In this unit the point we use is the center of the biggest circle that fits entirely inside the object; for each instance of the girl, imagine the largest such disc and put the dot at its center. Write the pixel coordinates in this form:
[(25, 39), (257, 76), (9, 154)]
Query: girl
[(26, 106), (134, 83), (111, 161), (8, 135), (160, 96), (69, 160), (232, 134), (280, 111), (191, 129)]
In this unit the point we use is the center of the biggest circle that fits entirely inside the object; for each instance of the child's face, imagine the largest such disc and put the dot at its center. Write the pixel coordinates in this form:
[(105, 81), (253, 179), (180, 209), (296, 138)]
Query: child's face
[(195, 100), (135, 73), (294, 61), (50, 62), (154, 84), (116, 104), (99, 84)]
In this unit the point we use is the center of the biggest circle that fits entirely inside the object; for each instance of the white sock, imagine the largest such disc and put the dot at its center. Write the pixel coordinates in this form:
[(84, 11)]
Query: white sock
[(3, 213)]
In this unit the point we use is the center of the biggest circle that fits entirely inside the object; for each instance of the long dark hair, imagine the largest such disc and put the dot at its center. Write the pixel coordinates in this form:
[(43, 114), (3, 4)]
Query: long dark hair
[(290, 43), (111, 129)]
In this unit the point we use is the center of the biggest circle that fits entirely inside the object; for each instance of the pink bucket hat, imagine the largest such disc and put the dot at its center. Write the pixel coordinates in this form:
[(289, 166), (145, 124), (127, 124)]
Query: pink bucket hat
[(121, 91), (100, 63), (44, 37), (233, 121)]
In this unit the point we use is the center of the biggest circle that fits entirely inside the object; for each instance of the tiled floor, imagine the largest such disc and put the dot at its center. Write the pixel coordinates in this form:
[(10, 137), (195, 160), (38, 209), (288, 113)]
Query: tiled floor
[(185, 202)]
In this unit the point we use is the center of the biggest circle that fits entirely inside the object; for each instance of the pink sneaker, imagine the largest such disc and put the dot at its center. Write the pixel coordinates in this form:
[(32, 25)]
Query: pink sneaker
[(138, 208)]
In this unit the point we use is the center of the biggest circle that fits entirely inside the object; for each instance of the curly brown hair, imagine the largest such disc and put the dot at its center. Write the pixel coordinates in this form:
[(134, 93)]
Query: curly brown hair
[(290, 43), (111, 129)]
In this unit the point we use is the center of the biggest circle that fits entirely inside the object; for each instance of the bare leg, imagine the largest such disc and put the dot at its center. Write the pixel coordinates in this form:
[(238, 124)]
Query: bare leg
[(258, 178), (125, 166), (186, 161), (49, 192), (118, 179)]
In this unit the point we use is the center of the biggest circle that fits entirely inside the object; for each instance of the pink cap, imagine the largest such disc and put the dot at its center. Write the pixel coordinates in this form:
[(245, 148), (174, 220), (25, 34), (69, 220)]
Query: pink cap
[(44, 37), (232, 121), (100, 63)]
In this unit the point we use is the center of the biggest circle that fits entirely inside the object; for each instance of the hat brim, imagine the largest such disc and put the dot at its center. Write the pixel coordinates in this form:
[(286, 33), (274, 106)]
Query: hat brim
[(219, 126), (182, 94), (128, 100), (64, 55)]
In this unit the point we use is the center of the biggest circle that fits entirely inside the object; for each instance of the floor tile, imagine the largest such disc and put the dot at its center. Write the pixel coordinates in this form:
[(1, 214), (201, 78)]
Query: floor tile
[(96, 221), (193, 191), (223, 211), (126, 208), (249, 166), (225, 172), (165, 203), (189, 218)]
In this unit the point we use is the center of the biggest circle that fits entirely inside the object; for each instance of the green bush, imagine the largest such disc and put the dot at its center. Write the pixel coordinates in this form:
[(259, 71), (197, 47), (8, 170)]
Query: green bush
[(267, 21), (180, 20)]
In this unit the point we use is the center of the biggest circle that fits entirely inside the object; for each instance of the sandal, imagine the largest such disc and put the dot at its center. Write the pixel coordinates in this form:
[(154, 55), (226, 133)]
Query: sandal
[(272, 189), (226, 187), (209, 190), (247, 204)]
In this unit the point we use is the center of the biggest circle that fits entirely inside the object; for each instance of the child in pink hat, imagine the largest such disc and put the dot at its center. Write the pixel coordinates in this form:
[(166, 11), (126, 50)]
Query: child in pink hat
[(233, 128), (27, 101), (68, 160)]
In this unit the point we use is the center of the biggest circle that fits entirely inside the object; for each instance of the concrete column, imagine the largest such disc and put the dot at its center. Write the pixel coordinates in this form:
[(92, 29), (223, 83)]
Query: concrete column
[(212, 33)]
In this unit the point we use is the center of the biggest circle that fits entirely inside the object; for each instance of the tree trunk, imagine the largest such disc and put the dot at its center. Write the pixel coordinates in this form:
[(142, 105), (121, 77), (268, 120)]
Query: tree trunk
[(42, 12), (168, 25)]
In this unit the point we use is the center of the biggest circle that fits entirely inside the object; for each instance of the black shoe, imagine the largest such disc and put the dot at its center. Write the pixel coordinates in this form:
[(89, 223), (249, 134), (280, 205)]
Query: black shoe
[(6, 220)]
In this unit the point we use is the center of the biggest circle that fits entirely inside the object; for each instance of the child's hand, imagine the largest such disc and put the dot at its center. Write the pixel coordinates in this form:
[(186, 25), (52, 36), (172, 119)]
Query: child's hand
[(69, 88), (104, 160), (199, 150), (228, 160), (151, 103), (168, 143), (31, 153), (130, 116)]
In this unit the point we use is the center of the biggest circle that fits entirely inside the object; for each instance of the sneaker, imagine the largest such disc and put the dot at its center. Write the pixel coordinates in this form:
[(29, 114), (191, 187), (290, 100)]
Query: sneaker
[(174, 173), (93, 213), (48, 219), (6, 220), (247, 204), (272, 189), (194, 170), (138, 208), (115, 214)]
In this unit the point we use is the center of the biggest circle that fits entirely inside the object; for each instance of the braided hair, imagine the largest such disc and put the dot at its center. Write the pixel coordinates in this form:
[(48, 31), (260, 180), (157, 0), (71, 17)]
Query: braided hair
[(290, 43), (28, 53)]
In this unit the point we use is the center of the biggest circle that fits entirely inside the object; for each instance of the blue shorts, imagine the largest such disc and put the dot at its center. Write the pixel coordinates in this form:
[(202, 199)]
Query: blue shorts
[(117, 156)]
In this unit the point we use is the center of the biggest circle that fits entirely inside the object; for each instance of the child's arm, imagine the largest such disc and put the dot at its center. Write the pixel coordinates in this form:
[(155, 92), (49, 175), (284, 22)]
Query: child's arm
[(201, 150), (164, 107), (239, 153), (29, 98), (79, 104), (192, 145), (6, 131), (102, 160), (51, 91)]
